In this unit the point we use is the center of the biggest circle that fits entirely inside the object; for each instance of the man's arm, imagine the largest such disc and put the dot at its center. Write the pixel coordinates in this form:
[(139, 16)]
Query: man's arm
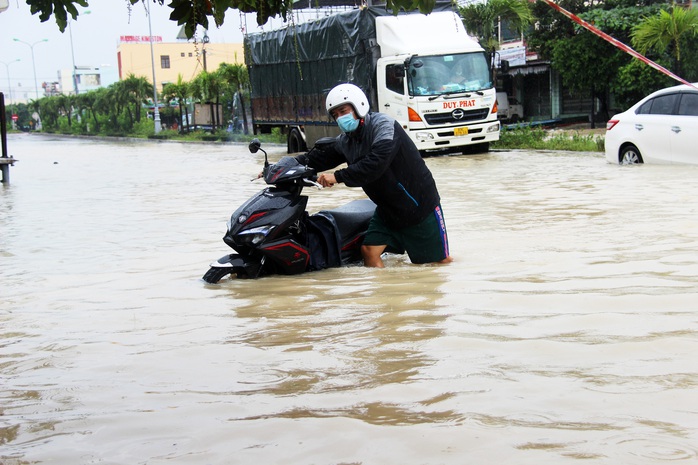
[(380, 155), (322, 160)]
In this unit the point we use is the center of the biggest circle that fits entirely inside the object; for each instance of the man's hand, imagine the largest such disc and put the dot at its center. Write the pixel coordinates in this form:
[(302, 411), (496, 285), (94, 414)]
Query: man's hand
[(327, 180)]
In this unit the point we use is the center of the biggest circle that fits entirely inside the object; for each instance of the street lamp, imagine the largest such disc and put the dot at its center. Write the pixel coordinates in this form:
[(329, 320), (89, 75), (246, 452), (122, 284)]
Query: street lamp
[(31, 46), (72, 52), (156, 111), (9, 82)]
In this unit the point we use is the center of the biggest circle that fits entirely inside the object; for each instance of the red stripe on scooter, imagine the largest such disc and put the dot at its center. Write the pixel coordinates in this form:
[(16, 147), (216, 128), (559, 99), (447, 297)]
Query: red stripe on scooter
[(255, 217)]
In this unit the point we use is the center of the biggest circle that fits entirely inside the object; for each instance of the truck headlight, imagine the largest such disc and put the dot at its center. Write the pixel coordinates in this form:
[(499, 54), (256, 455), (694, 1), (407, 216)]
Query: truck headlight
[(424, 136), (493, 128)]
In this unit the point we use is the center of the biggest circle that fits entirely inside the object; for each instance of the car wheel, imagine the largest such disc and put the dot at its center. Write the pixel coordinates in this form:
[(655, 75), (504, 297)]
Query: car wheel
[(630, 155)]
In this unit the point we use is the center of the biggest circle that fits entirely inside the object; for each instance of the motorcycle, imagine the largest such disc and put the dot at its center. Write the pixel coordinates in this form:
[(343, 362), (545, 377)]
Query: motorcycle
[(272, 233)]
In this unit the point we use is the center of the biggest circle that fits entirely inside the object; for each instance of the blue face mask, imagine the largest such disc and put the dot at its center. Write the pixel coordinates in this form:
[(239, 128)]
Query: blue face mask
[(347, 123)]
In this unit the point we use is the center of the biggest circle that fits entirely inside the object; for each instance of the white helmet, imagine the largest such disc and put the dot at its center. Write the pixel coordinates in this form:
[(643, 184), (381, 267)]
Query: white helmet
[(347, 93)]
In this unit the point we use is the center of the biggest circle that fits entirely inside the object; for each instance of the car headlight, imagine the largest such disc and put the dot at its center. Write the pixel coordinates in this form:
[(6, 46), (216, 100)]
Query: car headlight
[(255, 235)]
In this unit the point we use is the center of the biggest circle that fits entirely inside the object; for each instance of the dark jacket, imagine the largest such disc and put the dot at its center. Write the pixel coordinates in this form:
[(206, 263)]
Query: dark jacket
[(384, 161)]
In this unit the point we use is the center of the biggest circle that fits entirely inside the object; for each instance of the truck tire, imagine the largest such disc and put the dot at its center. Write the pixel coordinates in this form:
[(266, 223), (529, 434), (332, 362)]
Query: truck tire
[(482, 147), (295, 141)]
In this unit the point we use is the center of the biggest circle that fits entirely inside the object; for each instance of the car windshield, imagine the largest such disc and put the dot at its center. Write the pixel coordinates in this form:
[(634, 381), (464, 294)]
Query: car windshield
[(440, 74)]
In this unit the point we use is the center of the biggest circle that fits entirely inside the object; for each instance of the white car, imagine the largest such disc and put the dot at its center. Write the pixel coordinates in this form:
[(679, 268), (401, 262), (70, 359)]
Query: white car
[(661, 128)]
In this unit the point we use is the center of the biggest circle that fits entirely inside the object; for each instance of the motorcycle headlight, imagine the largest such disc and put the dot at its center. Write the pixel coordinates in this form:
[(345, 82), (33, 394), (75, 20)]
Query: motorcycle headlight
[(255, 235)]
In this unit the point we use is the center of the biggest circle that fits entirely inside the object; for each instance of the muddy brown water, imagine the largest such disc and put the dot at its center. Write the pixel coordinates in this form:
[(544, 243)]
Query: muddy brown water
[(565, 331)]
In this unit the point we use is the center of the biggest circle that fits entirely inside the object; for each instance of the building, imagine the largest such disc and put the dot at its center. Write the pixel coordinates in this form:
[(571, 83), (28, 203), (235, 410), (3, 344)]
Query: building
[(88, 78), (187, 59), (534, 83)]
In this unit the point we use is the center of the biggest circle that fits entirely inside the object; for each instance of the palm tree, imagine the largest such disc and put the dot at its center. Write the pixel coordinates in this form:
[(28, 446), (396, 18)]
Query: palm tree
[(237, 76), (138, 90), (66, 103), (180, 91), (50, 109), (482, 19), (658, 33), (86, 102), (114, 103), (207, 88)]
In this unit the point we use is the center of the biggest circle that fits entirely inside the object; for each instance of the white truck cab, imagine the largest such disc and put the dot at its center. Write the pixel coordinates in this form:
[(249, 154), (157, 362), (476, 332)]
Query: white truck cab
[(435, 80)]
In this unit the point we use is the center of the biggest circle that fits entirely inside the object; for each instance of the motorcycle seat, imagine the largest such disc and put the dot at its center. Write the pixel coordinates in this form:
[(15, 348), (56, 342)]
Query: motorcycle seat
[(351, 217)]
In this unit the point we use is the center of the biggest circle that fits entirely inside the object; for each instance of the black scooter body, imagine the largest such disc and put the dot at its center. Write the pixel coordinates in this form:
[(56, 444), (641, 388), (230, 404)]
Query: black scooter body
[(272, 232)]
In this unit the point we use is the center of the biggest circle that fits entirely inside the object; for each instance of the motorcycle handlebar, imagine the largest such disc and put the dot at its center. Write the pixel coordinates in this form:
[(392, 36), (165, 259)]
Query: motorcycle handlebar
[(313, 182)]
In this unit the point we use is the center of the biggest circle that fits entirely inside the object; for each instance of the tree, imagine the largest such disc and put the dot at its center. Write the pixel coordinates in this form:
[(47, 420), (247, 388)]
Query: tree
[(483, 19), (239, 79), (66, 103), (666, 31), (138, 90), (85, 103), (207, 87), (180, 91), (586, 62), (48, 109), (193, 13), (583, 73)]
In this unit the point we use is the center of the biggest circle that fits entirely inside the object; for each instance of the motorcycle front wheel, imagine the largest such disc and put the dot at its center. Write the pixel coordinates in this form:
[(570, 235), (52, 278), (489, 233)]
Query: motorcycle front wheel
[(215, 274)]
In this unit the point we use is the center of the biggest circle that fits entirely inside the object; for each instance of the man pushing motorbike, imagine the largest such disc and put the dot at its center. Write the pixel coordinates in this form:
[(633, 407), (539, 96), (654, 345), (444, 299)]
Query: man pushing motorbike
[(383, 160)]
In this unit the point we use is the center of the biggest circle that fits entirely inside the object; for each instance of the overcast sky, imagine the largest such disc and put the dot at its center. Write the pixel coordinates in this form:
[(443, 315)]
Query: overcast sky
[(95, 39)]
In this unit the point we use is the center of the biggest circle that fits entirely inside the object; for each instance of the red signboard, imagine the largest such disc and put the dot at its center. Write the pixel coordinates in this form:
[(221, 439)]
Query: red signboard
[(15, 117), (138, 39)]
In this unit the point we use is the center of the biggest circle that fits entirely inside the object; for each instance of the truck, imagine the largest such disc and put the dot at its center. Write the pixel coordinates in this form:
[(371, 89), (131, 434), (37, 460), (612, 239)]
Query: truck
[(509, 110), (423, 70)]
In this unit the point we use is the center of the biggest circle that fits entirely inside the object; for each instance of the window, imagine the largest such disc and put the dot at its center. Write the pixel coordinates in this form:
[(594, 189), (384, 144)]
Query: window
[(436, 74), (182, 55), (661, 105), (394, 76), (164, 61), (689, 104)]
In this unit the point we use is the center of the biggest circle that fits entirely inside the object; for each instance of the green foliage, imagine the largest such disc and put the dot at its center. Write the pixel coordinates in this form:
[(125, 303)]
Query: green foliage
[(194, 13), (58, 8), (143, 127), (482, 19), (586, 63), (635, 80), (667, 30), (536, 138)]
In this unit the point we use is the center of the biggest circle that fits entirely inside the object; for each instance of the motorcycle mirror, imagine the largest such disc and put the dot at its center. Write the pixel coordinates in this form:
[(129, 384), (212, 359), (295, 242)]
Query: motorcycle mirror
[(324, 142), (255, 145)]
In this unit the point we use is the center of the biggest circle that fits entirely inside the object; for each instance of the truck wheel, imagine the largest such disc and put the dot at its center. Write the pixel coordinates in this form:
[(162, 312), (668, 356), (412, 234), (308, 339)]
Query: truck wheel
[(515, 119), (295, 142), (481, 148)]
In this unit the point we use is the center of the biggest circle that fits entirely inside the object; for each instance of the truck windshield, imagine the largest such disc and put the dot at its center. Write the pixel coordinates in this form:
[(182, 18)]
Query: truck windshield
[(440, 74)]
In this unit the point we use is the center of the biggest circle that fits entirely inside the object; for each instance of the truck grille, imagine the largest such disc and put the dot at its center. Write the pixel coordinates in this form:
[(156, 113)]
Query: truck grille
[(446, 118)]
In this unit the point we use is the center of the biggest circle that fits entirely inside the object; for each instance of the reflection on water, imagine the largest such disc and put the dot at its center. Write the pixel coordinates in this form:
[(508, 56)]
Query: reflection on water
[(564, 331)]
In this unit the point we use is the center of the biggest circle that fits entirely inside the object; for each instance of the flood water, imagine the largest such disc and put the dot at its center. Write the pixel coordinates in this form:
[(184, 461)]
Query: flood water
[(565, 331)]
